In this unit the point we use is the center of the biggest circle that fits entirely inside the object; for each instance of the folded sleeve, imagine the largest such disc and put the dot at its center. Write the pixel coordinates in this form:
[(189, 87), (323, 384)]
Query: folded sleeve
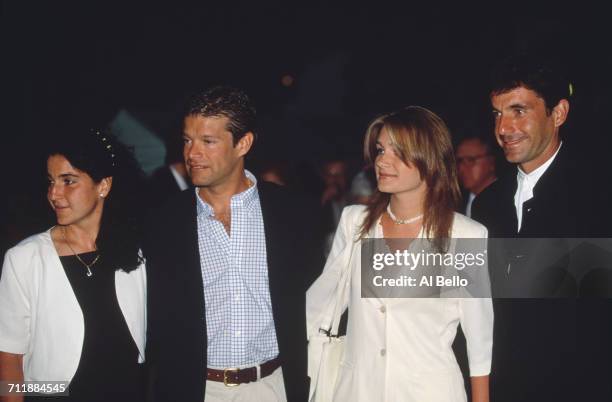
[(323, 291), (476, 316), (14, 307), (477, 325)]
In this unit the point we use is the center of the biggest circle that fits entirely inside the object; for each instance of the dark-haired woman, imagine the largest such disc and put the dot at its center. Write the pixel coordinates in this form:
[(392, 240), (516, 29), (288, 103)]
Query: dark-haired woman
[(72, 299), (400, 349)]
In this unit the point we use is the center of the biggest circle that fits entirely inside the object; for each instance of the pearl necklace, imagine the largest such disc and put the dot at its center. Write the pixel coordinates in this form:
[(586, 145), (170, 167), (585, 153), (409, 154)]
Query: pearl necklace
[(88, 266), (402, 221)]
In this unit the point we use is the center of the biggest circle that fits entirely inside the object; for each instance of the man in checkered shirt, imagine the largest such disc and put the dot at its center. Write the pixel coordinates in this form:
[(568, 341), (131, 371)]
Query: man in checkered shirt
[(228, 266)]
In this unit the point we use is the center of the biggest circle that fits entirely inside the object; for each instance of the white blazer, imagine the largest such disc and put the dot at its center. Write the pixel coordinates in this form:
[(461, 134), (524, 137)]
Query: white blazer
[(400, 349), (40, 316)]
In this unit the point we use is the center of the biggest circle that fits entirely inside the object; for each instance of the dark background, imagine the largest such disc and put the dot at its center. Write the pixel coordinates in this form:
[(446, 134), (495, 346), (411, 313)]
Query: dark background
[(349, 62)]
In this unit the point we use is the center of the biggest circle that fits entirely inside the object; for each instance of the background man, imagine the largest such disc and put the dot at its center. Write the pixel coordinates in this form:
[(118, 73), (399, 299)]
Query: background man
[(172, 178), (476, 168), (228, 268), (334, 197)]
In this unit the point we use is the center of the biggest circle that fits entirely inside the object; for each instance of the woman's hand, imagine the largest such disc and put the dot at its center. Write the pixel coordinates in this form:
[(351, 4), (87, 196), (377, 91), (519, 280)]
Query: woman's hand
[(480, 388), (11, 369)]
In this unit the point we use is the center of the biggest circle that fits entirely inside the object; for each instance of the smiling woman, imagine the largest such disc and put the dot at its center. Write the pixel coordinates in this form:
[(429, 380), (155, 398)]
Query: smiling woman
[(401, 348), (73, 195), (72, 299), (413, 158)]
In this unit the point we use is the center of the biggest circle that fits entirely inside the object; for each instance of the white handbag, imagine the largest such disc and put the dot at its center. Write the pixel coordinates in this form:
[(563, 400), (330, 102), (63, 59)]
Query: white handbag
[(327, 347)]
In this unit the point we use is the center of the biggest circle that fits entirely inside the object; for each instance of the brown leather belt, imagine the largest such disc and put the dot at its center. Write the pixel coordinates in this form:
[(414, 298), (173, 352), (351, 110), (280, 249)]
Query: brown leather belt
[(233, 376)]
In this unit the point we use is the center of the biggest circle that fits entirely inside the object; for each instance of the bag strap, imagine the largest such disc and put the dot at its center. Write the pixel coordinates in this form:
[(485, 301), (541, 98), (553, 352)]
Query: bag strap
[(335, 310)]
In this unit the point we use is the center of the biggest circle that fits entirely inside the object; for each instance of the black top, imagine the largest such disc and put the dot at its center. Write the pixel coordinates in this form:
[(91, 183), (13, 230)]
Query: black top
[(108, 369)]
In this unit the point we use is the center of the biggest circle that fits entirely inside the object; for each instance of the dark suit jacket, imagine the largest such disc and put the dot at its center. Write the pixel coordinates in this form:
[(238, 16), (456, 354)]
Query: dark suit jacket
[(162, 186), (176, 343), (557, 208), (542, 347)]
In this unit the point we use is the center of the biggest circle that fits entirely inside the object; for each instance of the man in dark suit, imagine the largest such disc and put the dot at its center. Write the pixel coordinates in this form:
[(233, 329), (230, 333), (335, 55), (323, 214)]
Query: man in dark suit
[(475, 168), (540, 333), (228, 266), (172, 178)]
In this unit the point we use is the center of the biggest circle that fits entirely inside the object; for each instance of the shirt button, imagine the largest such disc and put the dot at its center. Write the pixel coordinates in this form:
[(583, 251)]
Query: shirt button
[(237, 333), (383, 352), (237, 298), (383, 309)]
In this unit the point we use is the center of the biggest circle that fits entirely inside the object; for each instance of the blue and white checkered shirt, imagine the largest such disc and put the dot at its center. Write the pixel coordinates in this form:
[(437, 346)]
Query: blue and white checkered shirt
[(239, 320)]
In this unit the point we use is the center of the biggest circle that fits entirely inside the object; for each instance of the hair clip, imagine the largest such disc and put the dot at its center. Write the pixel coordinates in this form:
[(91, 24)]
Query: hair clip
[(108, 146)]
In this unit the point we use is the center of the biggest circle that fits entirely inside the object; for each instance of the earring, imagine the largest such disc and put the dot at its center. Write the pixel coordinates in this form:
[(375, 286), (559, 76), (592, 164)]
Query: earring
[(102, 195)]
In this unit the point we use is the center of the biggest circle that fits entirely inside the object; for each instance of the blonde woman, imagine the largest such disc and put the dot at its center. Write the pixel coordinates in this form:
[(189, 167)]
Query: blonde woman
[(400, 349)]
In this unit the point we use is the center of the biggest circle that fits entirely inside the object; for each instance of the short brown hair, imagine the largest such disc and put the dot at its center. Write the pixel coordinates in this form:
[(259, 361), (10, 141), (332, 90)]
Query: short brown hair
[(225, 101)]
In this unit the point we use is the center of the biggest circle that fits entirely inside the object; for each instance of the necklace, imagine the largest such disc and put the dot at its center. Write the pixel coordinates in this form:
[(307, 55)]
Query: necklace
[(402, 221), (88, 266)]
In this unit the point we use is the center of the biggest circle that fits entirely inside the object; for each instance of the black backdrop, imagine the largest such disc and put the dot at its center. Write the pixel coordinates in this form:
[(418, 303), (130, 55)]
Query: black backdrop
[(88, 60)]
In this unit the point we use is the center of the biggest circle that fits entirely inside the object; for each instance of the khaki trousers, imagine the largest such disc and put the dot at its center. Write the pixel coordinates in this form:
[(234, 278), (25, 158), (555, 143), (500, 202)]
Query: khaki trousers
[(267, 389)]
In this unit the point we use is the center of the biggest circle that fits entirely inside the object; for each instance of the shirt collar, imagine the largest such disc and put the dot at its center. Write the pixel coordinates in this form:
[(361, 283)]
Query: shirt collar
[(534, 176), (246, 199)]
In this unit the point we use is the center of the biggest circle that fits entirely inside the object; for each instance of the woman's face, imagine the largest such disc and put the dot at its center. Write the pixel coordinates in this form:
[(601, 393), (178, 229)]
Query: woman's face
[(73, 194), (392, 174)]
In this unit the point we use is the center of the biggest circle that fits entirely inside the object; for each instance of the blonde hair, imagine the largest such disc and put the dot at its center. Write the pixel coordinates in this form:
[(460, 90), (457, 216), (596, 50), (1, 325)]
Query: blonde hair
[(420, 138)]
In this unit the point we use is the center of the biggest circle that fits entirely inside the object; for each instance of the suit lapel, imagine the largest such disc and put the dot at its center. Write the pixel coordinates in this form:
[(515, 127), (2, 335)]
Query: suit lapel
[(507, 211), (188, 252), (275, 242), (550, 199)]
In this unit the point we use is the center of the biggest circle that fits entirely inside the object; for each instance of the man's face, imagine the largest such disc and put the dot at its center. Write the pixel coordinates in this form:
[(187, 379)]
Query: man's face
[(528, 136), (334, 175), (475, 165), (210, 155)]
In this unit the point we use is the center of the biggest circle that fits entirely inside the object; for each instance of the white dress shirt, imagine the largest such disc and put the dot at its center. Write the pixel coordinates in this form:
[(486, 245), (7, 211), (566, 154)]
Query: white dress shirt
[(526, 183), (468, 206), (180, 180)]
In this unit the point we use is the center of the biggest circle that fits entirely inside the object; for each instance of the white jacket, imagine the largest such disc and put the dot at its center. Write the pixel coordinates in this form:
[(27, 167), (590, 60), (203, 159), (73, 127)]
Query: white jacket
[(40, 316), (400, 349)]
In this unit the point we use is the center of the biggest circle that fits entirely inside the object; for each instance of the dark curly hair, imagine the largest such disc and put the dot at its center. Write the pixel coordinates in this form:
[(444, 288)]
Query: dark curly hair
[(225, 101), (100, 155), (539, 73)]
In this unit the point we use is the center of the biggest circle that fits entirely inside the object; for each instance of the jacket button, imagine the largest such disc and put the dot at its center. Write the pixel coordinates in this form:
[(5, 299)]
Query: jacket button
[(383, 309), (383, 352)]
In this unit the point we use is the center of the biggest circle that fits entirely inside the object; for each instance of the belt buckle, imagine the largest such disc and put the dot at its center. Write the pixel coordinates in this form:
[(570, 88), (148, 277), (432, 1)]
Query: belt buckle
[(226, 379)]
